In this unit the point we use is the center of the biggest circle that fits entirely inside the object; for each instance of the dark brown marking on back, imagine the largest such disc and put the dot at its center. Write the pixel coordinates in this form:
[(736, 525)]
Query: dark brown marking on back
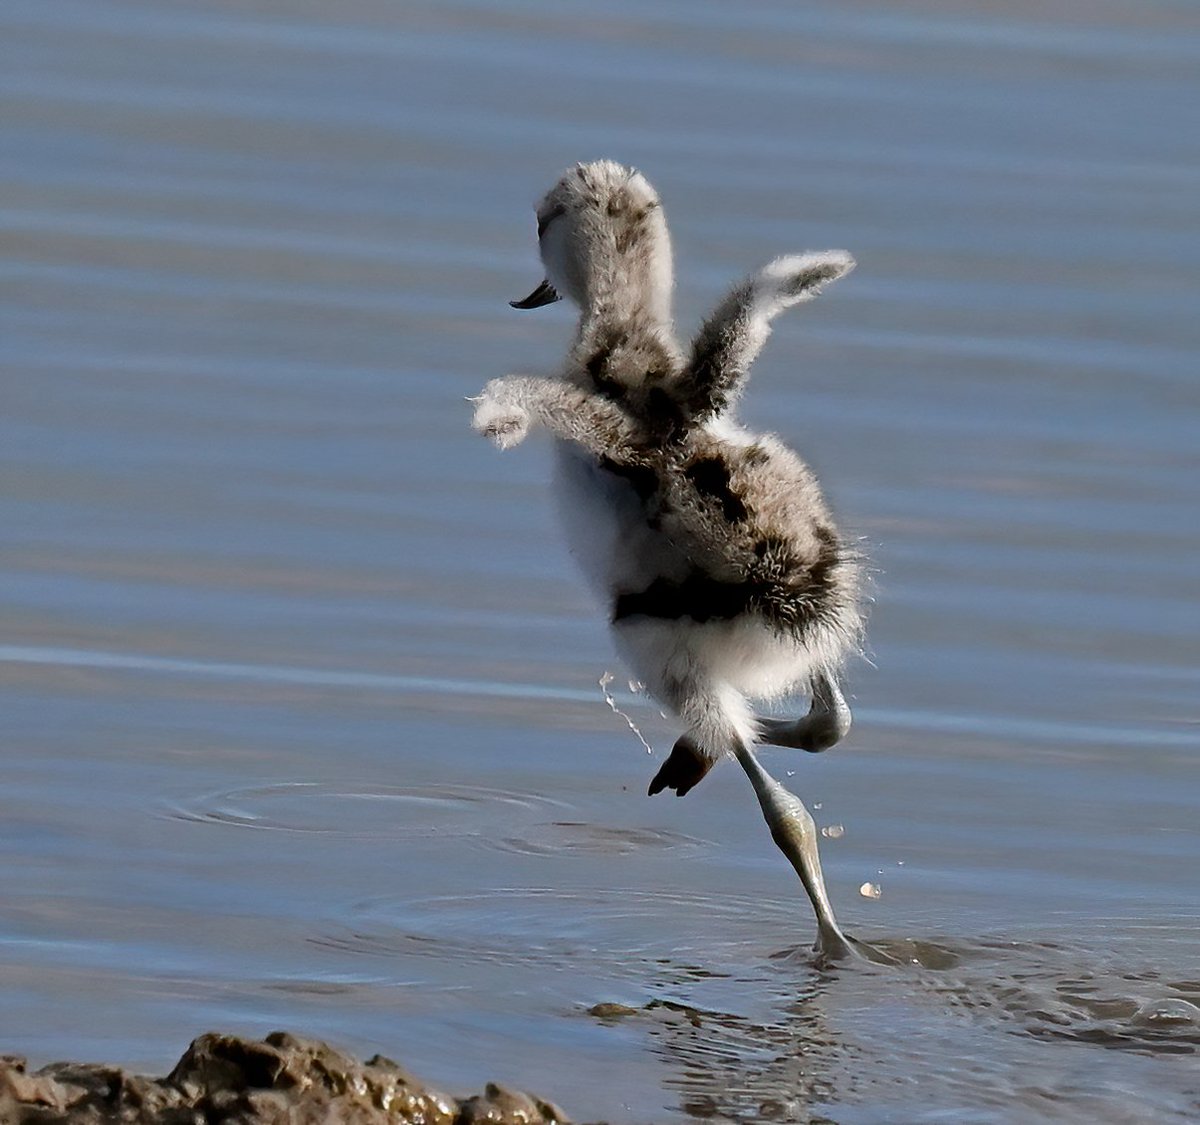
[(663, 416), (829, 554), (643, 478), (705, 395), (599, 363), (710, 476), (698, 597), (796, 592)]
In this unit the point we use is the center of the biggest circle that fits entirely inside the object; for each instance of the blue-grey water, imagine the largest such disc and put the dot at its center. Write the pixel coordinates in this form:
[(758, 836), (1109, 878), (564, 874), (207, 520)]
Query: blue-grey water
[(301, 724)]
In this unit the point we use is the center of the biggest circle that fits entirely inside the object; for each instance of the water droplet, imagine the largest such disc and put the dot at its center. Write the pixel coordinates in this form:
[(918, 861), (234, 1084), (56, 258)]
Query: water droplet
[(604, 682), (870, 890), (833, 831)]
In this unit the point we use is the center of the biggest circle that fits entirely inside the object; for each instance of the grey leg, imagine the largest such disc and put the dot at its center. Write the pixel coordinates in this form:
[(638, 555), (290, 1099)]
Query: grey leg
[(794, 832), (826, 723)]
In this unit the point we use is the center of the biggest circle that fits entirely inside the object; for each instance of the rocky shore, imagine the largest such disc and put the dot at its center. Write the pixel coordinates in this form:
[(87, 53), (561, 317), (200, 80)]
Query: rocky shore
[(227, 1080)]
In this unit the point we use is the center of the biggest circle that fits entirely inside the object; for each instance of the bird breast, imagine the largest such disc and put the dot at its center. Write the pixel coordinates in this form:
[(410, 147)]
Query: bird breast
[(609, 529)]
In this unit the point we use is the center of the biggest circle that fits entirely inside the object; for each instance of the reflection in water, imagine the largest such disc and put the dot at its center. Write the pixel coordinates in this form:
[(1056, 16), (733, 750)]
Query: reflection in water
[(732, 1068), (808, 1057)]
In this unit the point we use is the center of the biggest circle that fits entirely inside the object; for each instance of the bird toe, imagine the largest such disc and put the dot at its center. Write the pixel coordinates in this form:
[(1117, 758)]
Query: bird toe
[(684, 768)]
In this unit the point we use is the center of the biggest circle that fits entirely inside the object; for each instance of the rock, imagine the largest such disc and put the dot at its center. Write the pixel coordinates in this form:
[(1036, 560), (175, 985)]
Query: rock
[(227, 1080), (611, 1011)]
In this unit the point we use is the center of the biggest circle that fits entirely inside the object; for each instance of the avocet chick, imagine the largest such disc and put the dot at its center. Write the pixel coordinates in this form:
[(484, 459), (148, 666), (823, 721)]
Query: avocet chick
[(715, 555)]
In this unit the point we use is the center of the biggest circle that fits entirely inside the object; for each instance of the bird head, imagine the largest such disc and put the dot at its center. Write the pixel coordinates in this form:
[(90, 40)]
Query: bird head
[(603, 241)]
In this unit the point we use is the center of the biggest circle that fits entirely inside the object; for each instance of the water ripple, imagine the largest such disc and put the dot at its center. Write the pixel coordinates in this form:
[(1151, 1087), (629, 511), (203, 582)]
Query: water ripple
[(613, 933), (378, 812)]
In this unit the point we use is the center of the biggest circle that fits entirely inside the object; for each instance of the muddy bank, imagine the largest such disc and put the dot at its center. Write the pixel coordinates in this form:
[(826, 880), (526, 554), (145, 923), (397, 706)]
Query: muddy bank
[(227, 1080)]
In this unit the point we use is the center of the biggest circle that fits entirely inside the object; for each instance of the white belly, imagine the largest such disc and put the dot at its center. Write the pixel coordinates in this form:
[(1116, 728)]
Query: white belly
[(742, 653), (607, 530)]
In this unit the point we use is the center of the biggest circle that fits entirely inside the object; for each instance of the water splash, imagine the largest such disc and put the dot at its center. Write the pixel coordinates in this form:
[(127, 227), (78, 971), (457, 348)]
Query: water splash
[(604, 682)]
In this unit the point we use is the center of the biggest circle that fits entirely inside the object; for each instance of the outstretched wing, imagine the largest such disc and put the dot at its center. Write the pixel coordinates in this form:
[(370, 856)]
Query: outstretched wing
[(731, 338), (510, 407)]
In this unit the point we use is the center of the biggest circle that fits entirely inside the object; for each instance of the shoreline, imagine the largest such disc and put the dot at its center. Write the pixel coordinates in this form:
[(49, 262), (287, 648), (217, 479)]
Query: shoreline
[(282, 1079)]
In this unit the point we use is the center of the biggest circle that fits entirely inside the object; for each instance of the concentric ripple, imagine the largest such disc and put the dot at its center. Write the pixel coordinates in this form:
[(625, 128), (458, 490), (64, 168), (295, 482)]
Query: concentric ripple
[(556, 837), (377, 812), (614, 932)]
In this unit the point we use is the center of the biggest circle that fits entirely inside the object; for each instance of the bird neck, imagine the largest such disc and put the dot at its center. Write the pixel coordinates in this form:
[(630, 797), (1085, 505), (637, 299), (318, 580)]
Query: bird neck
[(627, 281), (624, 306)]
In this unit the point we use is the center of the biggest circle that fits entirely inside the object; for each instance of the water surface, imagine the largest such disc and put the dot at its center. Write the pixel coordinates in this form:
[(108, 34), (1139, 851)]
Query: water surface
[(301, 715)]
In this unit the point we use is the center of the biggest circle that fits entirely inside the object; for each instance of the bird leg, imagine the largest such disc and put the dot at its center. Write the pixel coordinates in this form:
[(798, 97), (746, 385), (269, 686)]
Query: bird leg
[(795, 833), (826, 723)]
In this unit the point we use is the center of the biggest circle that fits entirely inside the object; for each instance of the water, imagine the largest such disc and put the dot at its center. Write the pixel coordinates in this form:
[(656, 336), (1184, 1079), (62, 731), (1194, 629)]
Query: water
[(301, 716)]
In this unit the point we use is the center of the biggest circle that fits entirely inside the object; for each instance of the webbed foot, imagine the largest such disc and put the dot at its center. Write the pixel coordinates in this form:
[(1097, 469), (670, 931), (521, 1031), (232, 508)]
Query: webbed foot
[(684, 768)]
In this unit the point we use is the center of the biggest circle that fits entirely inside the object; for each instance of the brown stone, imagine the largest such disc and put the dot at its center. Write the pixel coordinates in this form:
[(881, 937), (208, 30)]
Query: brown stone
[(227, 1080)]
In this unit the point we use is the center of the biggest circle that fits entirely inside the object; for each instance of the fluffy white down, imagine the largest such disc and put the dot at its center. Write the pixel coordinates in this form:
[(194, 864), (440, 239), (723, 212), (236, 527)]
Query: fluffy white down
[(504, 421)]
